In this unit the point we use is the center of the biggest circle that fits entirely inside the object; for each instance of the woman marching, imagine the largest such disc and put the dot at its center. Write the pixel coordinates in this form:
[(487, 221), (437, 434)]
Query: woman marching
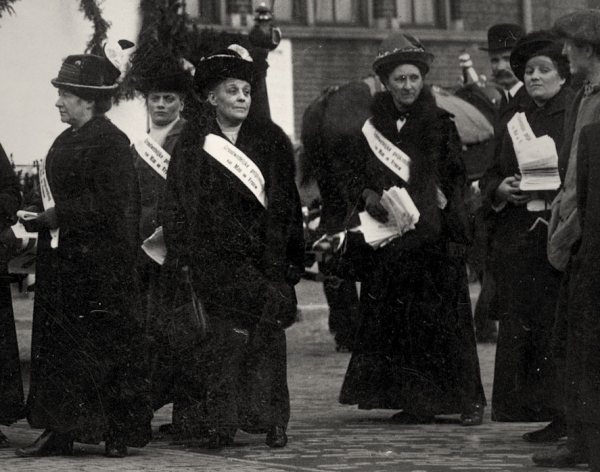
[(87, 375), (232, 221), (524, 375), (415, 350)]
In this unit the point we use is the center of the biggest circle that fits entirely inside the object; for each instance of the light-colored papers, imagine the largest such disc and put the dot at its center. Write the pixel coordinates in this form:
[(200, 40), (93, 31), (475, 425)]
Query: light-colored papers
[(155, 246), (403, 215), (537, 157)]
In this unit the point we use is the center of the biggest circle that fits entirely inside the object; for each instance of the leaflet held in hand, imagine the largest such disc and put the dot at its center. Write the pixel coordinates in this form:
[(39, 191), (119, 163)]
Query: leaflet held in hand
[(403, 215)]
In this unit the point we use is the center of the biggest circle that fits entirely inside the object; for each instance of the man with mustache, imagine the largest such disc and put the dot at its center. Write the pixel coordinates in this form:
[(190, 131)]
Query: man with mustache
[(501, 40)]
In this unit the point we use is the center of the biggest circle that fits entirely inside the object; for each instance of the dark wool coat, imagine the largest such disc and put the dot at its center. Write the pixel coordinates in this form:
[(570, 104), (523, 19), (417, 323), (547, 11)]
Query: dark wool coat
[(527, 284), (416, 347), (11, 385), (236, 249), (84, 347), (582, 372), (151, 187)]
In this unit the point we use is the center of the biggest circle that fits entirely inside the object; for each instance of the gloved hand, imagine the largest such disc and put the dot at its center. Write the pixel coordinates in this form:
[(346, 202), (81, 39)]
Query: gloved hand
[(280, 305), (48, 219), (31, 226), (373, 205), (294, 274)]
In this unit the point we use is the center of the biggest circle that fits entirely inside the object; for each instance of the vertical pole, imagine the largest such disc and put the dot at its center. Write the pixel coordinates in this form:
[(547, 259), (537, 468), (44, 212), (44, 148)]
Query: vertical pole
[(527, 16)]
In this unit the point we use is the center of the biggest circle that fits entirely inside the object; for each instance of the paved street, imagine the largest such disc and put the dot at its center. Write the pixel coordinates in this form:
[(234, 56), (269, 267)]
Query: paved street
[(324, 435)]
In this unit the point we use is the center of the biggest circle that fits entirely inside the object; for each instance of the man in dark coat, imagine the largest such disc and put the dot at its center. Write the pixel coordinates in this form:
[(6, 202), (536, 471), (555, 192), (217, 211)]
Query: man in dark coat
[(12, 407), (236, 225), (87, 379), (575, 328), (501, 40)]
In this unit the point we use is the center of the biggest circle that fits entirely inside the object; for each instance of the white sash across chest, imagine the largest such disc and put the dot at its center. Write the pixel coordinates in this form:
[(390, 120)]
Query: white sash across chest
[(238, 164), (48, 200), (387, 152), (153, 154)]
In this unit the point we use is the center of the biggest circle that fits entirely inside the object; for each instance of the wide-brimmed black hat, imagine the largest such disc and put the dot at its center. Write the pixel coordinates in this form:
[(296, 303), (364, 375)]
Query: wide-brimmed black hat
[(402, 48), (582, 26), (538, 43), (503, 36), (159, 71), (233, 62), (88, 76)]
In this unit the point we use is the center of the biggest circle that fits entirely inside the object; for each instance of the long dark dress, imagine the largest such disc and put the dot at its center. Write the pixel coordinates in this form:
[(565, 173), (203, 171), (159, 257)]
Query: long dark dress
[(235, 249), (416, 347), (12, 407), (88, 375), (527, 286)]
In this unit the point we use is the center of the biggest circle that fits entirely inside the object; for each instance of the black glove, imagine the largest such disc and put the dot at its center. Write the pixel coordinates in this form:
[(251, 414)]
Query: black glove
[(48, 219), (280, 305), (294, 274), (373, 205)]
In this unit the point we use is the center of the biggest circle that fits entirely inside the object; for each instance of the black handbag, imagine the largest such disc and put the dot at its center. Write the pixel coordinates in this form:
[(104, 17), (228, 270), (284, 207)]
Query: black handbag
[(188, 323)]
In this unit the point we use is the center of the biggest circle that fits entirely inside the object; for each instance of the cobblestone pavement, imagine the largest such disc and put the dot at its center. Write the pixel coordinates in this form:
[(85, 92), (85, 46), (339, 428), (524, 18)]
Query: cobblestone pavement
[(324, 435)]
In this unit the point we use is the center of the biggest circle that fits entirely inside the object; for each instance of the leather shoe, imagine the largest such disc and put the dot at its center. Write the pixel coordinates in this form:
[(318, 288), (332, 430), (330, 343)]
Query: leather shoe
[(551, 433), (559, 458), (276, 437), (4, 442), (473, 416), (114, 448), (48, 444)]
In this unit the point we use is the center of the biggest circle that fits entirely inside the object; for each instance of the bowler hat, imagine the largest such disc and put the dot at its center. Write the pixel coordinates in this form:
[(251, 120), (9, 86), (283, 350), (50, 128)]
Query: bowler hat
[(402, 48), (503, 36), (234, 62), (582, 26), (538, 43), (87, 75)]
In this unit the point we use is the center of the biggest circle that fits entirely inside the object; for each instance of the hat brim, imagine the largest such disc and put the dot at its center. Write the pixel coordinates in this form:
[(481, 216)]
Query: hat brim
[(404, 57), (100, 88)]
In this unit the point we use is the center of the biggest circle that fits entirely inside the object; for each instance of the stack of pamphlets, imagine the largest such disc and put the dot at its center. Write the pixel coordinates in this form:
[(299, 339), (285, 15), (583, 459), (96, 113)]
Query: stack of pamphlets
[(537, 157), (402, 217)]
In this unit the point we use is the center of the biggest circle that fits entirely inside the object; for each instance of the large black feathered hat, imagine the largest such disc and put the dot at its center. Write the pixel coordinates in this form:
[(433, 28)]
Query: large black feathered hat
[(401, 48), (233, 62), (538, 43), (158, 70)]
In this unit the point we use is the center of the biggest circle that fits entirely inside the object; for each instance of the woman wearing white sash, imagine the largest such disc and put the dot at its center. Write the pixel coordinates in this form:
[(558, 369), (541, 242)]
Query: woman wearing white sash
[(232, 217), (524, 375), (415, 350)]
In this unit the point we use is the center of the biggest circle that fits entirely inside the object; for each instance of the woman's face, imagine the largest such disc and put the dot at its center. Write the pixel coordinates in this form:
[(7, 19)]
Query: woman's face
[(405, 84), (232, 101), (74, 110), (542, 79)]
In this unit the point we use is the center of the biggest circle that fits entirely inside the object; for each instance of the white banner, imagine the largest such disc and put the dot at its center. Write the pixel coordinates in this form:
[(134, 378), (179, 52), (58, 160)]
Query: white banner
[(48, 201), (238, 164), (154, 155), (388, 153)]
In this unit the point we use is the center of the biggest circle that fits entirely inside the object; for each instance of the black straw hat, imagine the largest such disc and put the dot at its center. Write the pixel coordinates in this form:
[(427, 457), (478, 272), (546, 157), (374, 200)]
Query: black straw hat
[(503, 36), (87, 74)]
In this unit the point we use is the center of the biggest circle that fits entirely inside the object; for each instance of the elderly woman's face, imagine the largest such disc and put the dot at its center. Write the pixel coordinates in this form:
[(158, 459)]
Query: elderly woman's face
[(542, 79), (405, 84), (232, 101)]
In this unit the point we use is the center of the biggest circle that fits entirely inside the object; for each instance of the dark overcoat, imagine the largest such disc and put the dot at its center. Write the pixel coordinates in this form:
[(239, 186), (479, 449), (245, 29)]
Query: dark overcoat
[(582, 372), (416, 347), (11, 385), (527, 284), (84, 351), (235, 249)]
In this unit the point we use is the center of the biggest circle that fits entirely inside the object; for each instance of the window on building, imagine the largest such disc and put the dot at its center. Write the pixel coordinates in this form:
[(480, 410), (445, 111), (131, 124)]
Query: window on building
[(336, 11), (393, 13)]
